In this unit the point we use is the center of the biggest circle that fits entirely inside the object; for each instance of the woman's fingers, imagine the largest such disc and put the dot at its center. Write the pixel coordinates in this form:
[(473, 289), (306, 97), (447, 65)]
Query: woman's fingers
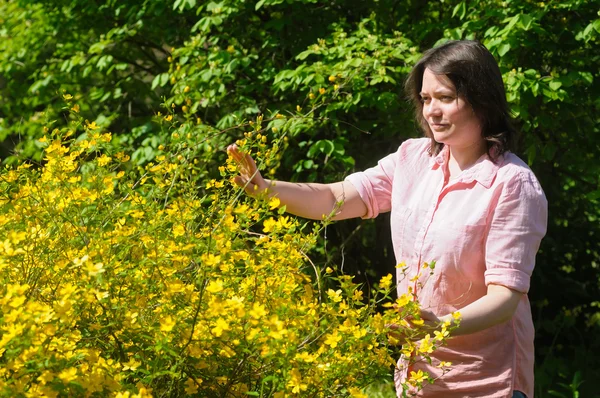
[(240, 181), (246, 164), (394, 338)]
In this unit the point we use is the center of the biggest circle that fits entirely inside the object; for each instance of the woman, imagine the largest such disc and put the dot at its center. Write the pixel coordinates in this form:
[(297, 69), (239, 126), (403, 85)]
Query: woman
[(461, 198)]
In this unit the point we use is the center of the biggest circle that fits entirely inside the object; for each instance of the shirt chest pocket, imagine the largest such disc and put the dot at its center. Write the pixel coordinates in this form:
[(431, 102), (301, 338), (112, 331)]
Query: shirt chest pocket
[(406, 224), (464, 246)]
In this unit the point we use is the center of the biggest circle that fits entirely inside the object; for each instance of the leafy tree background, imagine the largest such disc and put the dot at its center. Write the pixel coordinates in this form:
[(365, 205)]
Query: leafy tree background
[(339, 67)]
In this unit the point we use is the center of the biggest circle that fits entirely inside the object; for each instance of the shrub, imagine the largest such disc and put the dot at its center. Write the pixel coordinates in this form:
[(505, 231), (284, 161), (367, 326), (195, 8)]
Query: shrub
[(150, 281)]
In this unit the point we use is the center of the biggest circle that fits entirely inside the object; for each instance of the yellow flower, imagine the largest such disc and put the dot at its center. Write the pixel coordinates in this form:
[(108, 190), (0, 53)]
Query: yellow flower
[(167, 324), (190, 387), (385, 282), (285, 222), (94, 269), (274, 203), (426, 346), (407, 349), (67, 97), (356, 393), (296, 383), (403, 300), (269, 225), (75, 108), (178, 230), (92, 125), (335, 296), (131, 365), (415, 277), (321, 91), (220, 326), (333, 339), (215, 286), (210, 260), (417, 377), (305, 357), (444, 364), (441, 335), (257, 311), (68, 375), (103, 160), (332, 78)]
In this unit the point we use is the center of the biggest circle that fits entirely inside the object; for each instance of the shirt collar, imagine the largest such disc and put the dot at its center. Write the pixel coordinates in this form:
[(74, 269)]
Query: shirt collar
[(483, 171)]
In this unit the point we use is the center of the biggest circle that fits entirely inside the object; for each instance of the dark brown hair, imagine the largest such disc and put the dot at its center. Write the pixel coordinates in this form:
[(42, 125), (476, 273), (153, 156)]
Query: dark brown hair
[(476, 76)]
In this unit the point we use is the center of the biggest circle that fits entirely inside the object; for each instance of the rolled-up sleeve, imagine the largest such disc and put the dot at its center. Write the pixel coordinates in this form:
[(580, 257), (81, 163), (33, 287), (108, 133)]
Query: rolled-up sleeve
[(374, 185), (518, 224)]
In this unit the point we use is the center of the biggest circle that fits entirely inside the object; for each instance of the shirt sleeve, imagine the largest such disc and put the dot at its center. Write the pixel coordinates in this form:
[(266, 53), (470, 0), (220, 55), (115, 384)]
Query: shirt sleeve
[(374, 185), (517, 227)]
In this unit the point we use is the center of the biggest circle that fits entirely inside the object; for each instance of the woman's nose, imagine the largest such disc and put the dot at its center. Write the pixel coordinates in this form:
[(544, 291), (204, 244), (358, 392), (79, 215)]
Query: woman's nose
[(432, 108)]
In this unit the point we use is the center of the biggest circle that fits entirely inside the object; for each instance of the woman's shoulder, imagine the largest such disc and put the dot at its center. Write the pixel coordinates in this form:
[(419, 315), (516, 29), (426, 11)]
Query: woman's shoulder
[(414, 149), (416, 144), (514, 172)]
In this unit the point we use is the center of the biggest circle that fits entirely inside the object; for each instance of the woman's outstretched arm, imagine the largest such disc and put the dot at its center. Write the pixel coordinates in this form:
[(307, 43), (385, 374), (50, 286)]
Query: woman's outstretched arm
[(308, 200)]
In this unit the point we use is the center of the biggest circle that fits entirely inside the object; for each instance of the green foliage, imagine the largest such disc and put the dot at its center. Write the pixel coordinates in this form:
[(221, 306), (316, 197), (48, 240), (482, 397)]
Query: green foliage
[(334, 71)]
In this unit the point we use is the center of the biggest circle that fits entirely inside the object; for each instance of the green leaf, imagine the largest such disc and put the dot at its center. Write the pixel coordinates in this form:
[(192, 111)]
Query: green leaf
[(587, 76), (555, 85), (525, 21), (460, 9), (503, 49), (259, 5), (160, 80), (535, 89), (491, 32)]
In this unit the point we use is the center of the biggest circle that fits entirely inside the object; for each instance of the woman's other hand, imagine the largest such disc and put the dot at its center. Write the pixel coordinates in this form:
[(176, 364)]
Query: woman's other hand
[(249, 178), (414, 329)]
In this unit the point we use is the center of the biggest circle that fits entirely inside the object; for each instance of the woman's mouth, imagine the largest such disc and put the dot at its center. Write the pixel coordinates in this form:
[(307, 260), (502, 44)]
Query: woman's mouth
[(438, 126)]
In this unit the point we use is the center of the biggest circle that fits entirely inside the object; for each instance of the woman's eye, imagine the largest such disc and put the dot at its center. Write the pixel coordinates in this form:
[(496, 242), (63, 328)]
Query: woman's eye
[(447, 98)]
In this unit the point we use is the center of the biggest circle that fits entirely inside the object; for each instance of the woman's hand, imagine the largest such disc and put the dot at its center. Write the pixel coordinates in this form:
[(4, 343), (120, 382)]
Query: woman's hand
[(417, 329), (250, 178)]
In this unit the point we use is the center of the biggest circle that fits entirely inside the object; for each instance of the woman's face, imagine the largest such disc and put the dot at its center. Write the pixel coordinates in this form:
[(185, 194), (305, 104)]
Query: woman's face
[(450, 118)]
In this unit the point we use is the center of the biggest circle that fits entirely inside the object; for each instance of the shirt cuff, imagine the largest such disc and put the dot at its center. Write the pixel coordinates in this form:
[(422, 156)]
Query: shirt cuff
[(511, 278), (365, 191)]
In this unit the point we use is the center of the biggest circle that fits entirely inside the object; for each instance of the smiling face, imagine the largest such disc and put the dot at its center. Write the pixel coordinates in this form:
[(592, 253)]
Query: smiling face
[(450, 118)]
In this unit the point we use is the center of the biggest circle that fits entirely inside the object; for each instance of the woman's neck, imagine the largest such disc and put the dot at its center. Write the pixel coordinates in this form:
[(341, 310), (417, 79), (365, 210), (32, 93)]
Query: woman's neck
[(465, 157)]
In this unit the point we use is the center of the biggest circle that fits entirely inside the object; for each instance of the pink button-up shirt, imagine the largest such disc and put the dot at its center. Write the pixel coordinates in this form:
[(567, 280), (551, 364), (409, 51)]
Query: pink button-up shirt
[(482, 227)]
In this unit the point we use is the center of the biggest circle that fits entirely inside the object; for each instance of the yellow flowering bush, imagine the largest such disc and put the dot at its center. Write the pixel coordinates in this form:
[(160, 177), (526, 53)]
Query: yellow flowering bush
[(148, 281)]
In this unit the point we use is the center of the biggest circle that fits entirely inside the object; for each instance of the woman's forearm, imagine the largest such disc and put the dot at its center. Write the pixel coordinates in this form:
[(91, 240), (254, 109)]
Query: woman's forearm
[(497, 306), (315, 201)]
